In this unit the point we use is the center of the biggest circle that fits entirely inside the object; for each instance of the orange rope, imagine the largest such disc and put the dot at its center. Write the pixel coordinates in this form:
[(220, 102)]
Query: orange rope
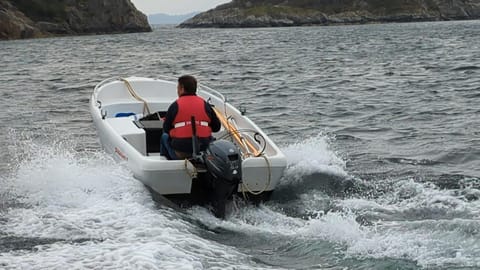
[(247, 146)]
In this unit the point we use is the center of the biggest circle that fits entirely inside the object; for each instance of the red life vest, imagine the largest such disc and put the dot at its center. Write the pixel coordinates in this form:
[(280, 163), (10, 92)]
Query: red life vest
[(189, 106)]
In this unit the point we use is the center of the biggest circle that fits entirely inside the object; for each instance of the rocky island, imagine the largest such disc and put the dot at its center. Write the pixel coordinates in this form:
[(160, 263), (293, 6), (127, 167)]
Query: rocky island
[(44, 18), (267, 13)]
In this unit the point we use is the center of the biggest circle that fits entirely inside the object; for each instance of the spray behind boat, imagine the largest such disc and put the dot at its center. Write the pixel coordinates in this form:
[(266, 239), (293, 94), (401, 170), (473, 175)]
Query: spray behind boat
[(220, 171)]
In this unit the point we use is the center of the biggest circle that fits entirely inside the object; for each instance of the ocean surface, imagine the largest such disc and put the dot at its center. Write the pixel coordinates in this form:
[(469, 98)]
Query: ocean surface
[(380, 124)]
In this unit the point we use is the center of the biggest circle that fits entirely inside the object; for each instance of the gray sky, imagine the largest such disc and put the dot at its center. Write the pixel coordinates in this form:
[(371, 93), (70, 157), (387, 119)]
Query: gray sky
[(176, 7)]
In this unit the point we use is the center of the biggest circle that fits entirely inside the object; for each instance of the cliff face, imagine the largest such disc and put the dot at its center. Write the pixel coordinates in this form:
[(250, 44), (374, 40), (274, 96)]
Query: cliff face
[(264, 13), (41, 18), (14, 24)]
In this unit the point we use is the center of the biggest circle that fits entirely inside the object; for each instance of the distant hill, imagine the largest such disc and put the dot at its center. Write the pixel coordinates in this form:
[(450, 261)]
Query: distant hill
[(265, 13), (161, 18)]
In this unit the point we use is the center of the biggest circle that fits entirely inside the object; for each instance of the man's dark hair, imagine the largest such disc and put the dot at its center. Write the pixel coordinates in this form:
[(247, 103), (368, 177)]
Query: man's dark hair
[(189, 83)]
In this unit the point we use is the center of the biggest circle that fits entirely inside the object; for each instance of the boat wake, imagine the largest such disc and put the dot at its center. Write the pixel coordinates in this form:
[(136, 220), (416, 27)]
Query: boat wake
[(313, 165), (86, 209), (311, 156), (82, 207), (310, 221)]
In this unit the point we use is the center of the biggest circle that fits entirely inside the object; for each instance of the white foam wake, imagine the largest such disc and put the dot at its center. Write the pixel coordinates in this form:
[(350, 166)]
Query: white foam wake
[(313, 155), (101, 217), (398, 232)]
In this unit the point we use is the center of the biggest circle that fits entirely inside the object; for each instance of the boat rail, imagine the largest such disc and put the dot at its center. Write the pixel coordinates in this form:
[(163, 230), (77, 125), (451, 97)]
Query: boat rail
[(215, 92), (102, 83), (203, 87), (160, 77)]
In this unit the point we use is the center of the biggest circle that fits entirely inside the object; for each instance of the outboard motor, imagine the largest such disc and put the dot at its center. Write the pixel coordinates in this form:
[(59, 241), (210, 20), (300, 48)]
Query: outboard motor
[(223, 162)]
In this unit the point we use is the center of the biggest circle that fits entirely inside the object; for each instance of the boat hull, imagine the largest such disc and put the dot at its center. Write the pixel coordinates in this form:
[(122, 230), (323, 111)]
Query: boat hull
[(124, 138)]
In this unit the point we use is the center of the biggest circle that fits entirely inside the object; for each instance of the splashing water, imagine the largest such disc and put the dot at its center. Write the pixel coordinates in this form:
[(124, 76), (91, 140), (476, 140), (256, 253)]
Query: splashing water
[(84, 209), (314, 155)]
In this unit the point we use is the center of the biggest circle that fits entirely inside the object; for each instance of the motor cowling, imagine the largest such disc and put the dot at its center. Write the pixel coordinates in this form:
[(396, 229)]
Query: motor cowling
[(223, 161)]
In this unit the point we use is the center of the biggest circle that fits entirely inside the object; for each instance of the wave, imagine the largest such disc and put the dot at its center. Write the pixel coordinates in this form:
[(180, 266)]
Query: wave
[(84, 208), (465, 68), (310, 156), (416, 224), (424, 162)]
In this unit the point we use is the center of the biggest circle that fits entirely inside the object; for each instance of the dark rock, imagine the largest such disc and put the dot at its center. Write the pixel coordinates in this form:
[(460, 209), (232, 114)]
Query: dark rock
[(54, 28), (265, 13), (14, 24), (42, 18)]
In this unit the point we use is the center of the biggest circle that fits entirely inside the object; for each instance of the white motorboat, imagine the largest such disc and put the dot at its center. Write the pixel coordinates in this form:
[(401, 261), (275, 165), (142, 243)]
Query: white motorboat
[(122, 110)]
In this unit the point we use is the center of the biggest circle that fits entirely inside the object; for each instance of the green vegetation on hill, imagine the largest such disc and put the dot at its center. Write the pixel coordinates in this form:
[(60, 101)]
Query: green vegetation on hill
[(269, 7), (261, 10), (265, 13)]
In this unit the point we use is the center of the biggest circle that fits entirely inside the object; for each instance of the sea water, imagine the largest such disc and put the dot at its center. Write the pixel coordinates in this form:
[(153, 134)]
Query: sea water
[(379, 123)]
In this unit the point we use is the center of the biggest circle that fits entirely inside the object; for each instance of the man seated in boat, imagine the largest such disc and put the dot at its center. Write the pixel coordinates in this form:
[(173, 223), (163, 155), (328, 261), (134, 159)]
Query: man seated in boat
[(176, 141)]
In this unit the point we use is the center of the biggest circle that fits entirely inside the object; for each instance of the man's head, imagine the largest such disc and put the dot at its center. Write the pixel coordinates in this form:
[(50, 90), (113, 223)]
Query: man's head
[(187, 84)]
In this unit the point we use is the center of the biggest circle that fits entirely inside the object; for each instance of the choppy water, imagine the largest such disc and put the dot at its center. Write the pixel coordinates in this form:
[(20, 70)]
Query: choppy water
[(380, 124)]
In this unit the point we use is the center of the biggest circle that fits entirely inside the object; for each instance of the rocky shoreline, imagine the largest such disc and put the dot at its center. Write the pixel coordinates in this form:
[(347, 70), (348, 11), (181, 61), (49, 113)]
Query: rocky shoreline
[(271, 13), (44, 18)]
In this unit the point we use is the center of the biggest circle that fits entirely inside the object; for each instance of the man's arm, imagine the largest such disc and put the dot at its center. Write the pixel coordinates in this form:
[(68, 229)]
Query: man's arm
[(215, 124), (169, 117)]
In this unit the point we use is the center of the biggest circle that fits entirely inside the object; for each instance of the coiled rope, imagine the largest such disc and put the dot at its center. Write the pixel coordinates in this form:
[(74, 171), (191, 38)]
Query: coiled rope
[(136, 96), (248, 149), (269, 179), (192, 174)]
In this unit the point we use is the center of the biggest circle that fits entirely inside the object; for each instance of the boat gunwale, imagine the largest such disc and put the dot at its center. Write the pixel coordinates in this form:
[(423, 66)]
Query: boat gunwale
[(277, 159)]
